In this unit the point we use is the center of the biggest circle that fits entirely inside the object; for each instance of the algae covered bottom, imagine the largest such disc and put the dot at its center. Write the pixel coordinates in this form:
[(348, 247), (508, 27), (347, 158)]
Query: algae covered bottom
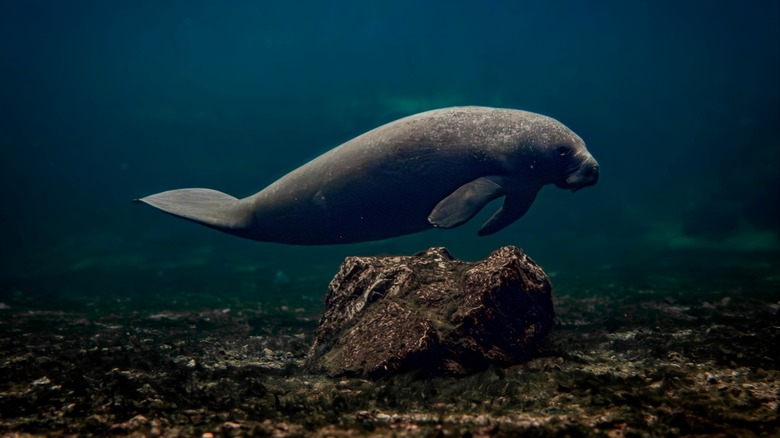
[(688, 352)]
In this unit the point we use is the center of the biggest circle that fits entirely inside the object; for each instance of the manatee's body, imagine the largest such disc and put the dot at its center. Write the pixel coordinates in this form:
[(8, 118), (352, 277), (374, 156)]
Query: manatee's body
[(433, 169)]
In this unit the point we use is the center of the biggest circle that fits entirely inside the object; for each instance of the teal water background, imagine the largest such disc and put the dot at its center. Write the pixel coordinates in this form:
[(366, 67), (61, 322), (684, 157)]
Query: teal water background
[(105, 101)]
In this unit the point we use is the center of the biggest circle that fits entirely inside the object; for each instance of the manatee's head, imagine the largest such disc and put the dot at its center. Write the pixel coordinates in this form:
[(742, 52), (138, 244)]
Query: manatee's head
[(559, 155), (575, 167)]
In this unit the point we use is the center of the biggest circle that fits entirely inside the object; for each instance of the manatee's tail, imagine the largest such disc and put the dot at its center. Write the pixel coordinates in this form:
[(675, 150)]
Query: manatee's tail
[(204, 206)]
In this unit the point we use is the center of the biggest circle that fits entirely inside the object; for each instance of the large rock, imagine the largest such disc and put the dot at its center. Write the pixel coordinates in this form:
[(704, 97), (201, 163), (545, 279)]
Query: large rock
[(432, 313)]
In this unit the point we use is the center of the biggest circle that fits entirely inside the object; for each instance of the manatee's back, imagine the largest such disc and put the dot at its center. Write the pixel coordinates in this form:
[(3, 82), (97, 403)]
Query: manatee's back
[(380, 184)]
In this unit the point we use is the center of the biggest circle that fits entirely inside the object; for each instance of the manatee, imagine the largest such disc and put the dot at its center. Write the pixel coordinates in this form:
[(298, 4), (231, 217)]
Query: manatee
[(435, 169)]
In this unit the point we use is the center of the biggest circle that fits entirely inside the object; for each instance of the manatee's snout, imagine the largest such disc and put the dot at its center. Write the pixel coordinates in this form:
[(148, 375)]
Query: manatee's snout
[(586, 175)]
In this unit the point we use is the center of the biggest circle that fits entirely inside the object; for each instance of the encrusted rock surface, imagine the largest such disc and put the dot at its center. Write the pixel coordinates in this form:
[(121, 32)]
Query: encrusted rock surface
[(431, 313)]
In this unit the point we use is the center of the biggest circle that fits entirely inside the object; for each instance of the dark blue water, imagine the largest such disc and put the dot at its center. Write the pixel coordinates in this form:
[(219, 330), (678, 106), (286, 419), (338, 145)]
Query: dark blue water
[(103, 102)]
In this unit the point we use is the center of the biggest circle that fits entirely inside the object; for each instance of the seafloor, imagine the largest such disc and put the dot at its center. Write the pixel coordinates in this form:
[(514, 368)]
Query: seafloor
[(678, 342)]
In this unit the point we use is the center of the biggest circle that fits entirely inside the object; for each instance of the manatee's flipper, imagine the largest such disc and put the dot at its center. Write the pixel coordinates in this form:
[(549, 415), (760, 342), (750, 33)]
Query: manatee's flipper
[(457, 208), (204, 206), (515, 205)]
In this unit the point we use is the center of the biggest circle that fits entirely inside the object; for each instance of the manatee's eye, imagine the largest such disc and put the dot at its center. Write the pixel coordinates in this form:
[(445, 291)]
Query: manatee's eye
[(563, 150)]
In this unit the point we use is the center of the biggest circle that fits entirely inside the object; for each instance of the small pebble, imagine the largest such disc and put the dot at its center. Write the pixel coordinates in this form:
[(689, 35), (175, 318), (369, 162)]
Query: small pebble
[(43, 381), (230, 425), (383, 417)]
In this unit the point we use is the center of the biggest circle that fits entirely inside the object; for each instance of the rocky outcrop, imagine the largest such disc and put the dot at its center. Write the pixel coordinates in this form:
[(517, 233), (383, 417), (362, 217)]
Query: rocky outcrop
[(431, 313)]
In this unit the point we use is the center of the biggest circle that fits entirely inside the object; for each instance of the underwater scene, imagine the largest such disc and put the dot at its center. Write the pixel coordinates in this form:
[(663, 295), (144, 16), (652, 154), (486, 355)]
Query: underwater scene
[(399, 218)]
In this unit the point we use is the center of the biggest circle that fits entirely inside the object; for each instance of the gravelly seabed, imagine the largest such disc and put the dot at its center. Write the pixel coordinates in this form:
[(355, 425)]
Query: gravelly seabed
[(683, 343)]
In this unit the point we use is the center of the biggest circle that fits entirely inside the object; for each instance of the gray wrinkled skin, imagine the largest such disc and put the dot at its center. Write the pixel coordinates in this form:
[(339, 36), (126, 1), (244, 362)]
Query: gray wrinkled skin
[(433, 169)]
